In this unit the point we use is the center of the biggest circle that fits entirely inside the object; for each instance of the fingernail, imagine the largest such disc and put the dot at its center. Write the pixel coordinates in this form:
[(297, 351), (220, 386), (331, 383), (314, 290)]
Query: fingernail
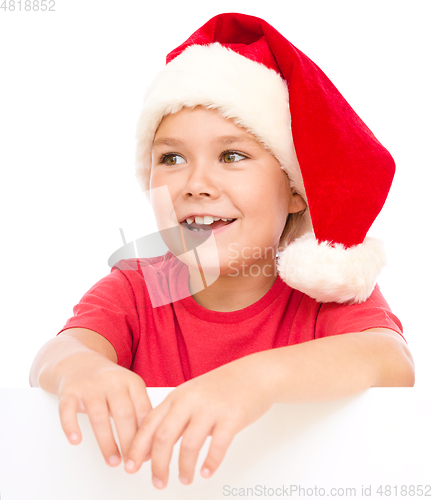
[(114, 460), (73, 436), (205, 472), (183, 480), (157, 482), (130, 465)]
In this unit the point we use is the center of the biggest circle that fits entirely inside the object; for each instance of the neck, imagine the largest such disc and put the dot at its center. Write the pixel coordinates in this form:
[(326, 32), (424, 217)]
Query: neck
[(234, 291)]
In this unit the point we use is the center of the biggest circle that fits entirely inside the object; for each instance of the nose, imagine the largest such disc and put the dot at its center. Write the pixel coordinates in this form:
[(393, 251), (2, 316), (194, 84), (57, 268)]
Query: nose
[(200, 182)]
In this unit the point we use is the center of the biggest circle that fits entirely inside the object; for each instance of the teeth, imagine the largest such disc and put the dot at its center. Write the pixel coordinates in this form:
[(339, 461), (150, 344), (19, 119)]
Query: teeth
[(207, 219)]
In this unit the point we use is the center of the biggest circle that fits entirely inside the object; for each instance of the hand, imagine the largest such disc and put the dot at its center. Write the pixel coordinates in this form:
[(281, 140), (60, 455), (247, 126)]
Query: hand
[(101, 389), (219, 404)]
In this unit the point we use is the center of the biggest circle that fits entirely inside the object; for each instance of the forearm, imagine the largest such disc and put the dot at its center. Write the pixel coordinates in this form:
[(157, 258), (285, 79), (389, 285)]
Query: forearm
[(57, 357), (335, 367)]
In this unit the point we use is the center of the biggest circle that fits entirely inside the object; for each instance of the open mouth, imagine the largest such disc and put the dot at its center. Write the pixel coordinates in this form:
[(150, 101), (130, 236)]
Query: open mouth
[(216, 224)]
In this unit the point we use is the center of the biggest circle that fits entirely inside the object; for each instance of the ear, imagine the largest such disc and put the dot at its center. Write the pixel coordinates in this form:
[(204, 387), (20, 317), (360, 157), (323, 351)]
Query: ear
[(296, 203)]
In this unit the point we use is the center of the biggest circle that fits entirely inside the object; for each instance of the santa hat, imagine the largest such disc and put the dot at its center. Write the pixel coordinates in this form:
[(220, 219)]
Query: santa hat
[(244, 68)]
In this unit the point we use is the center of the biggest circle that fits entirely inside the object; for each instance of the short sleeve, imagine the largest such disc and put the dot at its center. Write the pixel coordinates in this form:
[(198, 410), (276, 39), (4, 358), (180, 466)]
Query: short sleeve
[(336, 319), (109, 308)]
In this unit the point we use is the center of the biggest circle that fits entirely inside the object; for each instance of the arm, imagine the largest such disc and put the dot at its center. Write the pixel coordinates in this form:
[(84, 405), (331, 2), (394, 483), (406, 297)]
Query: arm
[(65, 349), (80, 366), (222, 402), (337, 366)]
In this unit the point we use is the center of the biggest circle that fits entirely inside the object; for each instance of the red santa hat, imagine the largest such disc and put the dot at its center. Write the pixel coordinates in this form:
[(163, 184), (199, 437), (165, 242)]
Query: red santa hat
[(244, 68)]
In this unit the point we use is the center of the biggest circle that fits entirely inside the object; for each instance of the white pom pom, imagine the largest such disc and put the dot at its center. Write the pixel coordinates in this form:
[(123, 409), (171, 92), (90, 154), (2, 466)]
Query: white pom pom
[(332, 273)]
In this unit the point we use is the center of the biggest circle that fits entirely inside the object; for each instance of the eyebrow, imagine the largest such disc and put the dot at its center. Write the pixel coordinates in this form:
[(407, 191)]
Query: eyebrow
[(224, 139)]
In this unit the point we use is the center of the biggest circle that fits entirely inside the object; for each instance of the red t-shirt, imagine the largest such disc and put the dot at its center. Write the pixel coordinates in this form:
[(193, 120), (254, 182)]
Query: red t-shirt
[(172, 343)]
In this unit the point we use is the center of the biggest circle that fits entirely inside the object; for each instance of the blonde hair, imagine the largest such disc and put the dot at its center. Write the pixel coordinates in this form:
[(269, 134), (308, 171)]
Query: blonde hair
[(296, 224), (292, 227)]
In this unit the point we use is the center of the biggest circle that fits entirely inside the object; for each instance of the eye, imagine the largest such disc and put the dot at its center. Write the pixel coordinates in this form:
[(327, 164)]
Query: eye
[(232, 157), (172, 159)]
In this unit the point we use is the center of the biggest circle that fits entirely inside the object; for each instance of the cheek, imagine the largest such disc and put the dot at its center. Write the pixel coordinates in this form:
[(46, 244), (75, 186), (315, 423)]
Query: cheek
[(156, 179), (273, 211), (174, 181), (161, 200), (160, 181), (271, 198)]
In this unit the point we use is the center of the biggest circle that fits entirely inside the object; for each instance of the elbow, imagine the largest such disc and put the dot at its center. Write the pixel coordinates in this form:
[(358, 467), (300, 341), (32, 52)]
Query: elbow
[(408, 369), (34, 374), (411, 380), (400, 369), (403, 376)]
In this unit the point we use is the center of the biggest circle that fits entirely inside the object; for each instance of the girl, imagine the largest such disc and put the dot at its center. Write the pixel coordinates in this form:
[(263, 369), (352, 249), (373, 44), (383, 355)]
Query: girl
[(267, 293)]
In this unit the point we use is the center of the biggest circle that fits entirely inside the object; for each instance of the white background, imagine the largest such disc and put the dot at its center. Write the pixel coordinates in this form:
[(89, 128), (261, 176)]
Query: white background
[(71, 86)]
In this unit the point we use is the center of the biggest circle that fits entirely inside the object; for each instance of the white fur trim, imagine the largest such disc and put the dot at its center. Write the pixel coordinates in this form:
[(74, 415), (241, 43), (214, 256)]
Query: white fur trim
[(332, 273), (252, 95)]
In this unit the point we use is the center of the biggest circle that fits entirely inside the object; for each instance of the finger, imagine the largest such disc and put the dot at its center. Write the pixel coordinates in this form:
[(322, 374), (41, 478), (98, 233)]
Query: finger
[(192, 441), (140, 400), (125, 419), (142, 443), (97, 410), (166, 436), (222, 436), (68, 409)]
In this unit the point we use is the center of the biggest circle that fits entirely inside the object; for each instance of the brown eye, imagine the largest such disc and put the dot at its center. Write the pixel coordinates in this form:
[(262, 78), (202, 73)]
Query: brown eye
[(232, 157), (172, 159)]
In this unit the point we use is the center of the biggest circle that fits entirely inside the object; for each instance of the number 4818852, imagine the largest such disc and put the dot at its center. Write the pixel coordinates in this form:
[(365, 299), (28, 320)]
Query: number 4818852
[(29, 5)]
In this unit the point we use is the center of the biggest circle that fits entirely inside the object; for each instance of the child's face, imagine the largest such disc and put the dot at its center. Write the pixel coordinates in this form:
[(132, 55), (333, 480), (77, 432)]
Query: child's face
[(211, 166)]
